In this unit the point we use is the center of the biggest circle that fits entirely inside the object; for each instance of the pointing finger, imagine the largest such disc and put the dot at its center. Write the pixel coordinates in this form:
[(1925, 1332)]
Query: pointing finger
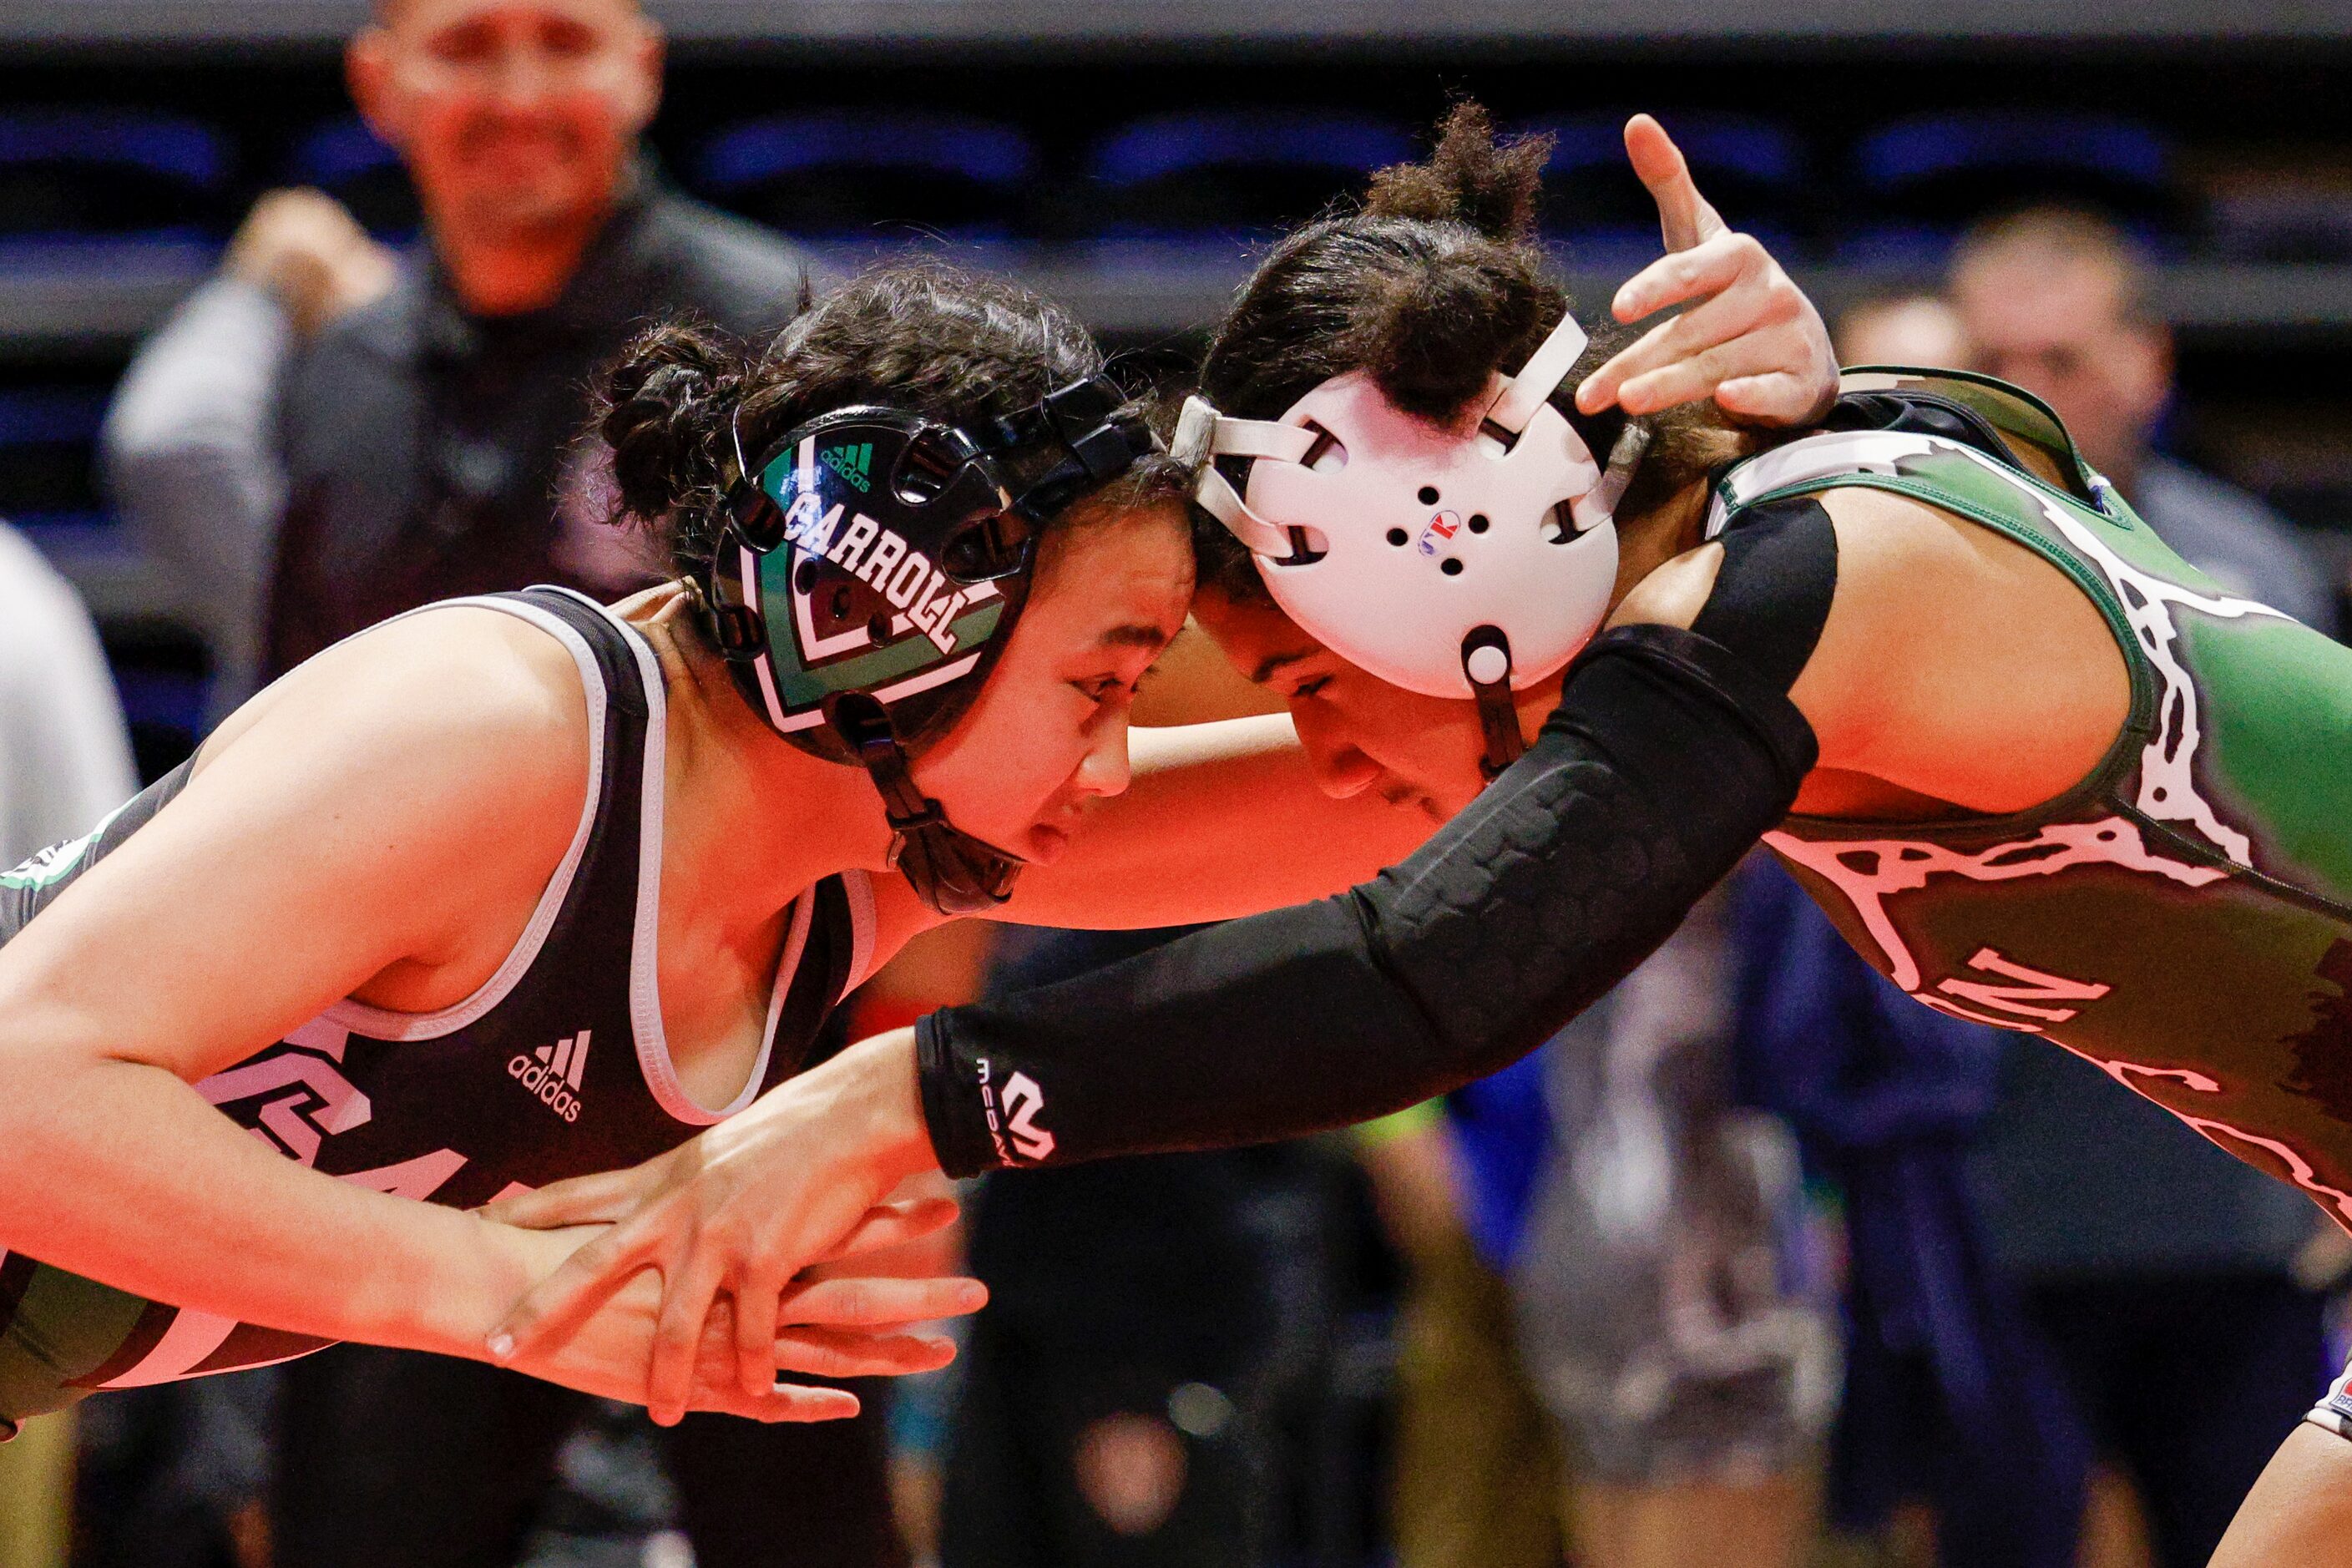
[(1684, 218)]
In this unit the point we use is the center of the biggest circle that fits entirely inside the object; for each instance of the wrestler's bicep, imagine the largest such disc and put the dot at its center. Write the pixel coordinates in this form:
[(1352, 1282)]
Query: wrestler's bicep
[(362, 824), (1947, 641)]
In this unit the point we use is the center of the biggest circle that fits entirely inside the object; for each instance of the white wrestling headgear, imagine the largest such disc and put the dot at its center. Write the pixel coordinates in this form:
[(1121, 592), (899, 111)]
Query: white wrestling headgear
[(1461, 563)]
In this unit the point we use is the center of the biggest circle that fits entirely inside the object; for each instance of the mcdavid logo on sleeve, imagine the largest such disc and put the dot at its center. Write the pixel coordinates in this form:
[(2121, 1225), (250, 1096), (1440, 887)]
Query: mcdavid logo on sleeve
[(1014, 1117), (552, 1074)]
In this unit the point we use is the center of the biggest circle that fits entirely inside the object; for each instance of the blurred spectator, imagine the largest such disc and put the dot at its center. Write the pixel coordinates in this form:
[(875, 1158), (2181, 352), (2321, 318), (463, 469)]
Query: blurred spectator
[(1109, 1411), (2058, 302), (390, 440), (1950, 1398), (1480, 1480), (412, 428), (65, 763), (1619, 1348), (1674, 1308), (1902, 329), (2161, 1269), (190, 446)]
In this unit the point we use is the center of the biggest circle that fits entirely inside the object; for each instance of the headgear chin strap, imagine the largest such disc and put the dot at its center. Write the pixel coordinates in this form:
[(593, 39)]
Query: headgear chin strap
[(955, 873), (868, 574), (1470, 562)]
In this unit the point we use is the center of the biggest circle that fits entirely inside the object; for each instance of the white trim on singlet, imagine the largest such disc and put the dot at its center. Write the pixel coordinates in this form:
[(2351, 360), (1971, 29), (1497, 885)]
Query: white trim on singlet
[(859, 887), (644, 948), (652, 1040), (379, 1024)]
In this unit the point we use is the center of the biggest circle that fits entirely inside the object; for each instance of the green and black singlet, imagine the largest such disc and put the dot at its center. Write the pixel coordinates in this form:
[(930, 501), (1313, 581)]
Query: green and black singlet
[(557, 1066), (2183, 916)]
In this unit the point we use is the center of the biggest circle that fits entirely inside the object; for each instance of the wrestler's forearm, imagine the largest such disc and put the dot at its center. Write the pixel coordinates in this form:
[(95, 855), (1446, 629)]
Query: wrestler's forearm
[(120, 1172), (1222, 819), (1665, 760)]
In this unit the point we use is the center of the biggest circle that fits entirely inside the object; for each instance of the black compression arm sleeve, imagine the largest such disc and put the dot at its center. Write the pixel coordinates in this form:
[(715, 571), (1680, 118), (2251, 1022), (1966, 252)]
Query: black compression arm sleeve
[(1667, 756)]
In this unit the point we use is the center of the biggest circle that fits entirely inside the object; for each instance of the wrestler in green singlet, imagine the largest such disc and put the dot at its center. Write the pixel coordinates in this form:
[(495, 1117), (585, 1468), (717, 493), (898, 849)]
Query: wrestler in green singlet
[(2182, 916)]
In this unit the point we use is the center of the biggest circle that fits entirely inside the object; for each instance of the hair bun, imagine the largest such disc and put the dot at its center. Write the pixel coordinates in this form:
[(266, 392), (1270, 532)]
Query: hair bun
[(1434, 332), (1492, 186), (665, 409)]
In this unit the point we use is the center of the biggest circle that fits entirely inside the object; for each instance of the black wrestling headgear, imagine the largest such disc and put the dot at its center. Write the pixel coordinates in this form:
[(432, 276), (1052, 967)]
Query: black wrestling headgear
[(867, 574)]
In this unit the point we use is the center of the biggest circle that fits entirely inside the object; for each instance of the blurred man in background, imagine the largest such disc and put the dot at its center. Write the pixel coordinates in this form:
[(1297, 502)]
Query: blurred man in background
[(2057, 300), (377, 434), (190, 447), (2163, 1272), (429, 439), (1920, 329), (326, 437)]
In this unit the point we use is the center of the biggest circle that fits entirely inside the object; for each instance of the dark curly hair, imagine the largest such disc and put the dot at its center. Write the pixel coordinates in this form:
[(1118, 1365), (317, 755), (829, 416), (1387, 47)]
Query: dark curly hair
[(1434, 284), (926, 338)]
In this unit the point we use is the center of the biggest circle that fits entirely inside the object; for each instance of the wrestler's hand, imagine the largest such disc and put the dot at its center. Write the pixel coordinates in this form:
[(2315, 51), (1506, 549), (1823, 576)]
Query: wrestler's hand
[(741, 1211), (1751, 340), (849, 1324)]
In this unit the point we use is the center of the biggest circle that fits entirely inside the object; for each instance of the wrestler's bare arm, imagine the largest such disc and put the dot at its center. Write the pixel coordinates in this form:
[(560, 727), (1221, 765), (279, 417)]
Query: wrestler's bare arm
[(326, 845), (1946, 645), (382, 823)]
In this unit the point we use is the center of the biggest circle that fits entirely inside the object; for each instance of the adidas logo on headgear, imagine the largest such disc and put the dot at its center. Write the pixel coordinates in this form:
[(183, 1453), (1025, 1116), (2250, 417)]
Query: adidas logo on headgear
[(552, 1074), (855, 464)]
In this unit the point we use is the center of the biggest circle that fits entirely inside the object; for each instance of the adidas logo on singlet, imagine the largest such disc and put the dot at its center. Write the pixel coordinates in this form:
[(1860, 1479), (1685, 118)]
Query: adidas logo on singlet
[(552, 1074)]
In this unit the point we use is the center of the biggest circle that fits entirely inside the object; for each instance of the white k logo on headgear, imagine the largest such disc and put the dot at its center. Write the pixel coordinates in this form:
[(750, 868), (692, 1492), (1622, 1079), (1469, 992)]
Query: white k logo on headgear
[(553, 1073)]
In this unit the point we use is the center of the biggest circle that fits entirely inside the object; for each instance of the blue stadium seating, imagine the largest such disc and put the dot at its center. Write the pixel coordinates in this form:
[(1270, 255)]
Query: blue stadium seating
[(92, 189), (1214, 176), (866, 178), (1928, 176)]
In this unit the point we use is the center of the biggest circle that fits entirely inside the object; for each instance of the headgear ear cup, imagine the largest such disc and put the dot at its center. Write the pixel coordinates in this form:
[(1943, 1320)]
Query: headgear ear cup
[(1429, 544)]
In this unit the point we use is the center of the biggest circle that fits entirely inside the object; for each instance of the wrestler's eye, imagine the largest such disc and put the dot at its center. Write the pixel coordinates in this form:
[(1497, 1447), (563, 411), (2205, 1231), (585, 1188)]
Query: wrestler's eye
[(1310, 687)]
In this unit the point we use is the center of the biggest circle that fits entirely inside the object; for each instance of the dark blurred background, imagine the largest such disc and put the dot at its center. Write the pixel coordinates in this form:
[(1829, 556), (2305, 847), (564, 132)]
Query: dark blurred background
[(1120, 156), (1356, 1392)]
